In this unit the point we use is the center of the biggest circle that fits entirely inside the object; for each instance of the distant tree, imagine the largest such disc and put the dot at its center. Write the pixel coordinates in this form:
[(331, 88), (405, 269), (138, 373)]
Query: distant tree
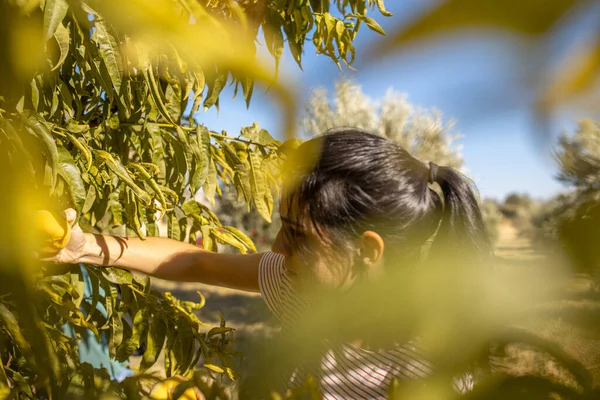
[(420, 131), (519, 209), (491, 217), (572, 220), (579, 156)]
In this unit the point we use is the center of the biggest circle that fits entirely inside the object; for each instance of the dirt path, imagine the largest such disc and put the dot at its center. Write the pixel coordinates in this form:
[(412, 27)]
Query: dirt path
[(511, 246)]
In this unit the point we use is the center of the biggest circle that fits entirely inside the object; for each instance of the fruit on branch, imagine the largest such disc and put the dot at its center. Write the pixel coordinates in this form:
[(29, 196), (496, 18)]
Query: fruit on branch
[(54, 233)]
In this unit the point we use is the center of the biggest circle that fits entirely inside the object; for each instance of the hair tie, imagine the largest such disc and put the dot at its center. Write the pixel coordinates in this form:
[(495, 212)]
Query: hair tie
[(433, 170)]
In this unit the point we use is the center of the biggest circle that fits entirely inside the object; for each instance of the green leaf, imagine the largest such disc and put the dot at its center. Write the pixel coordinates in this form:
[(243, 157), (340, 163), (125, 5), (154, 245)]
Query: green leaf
[(50, 150), (258, 185), (218, 330), (35, 94), (132, 213), (155, 341), (216, 83), (257, 135), (72, 176), (239, 235), (177, 154), (10, 323), (296, 50), (55, 102), (116, 207), (90, 198), (199, 82), (184, 141), (158, 151), (115, 166), (15, 138), (248, 89), (95, 284), (191, 208), (84, 150), (117, 332), (201, 172), (108, 48), (117, 276), (174, 226), (151, 182), (185, 339), (171, 336), (110, 298), (231, 156), (54, 12), (226, 237), (374, 25), (207, 241), (210, 186), (77, 287), (173, 97), (241, 181), (382, 9), (62, 38), (22, 383), (274, 38), (140, 328)]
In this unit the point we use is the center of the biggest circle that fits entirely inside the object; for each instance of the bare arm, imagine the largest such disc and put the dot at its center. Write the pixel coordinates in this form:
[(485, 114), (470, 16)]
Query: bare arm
[(156, 256), (172, 260)]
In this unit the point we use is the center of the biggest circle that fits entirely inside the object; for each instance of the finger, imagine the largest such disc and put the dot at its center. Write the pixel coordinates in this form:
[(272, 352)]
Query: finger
[(70, 215), (52, 259)]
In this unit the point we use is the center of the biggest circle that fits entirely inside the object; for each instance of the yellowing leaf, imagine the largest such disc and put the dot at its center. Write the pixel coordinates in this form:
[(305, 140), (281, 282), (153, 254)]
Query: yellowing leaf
[(241, 237), (532, 17), (214, 368), (578, 77), (225, 237)]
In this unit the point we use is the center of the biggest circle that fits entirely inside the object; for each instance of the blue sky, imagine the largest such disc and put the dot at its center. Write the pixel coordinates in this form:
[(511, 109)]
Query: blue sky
[(471, 78)]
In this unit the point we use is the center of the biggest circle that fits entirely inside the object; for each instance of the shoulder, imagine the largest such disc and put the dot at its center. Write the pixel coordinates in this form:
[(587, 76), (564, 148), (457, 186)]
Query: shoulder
[(276, 288)]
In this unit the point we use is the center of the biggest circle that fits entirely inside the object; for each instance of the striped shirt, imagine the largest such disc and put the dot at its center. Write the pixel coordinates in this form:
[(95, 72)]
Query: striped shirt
[(346, 371)]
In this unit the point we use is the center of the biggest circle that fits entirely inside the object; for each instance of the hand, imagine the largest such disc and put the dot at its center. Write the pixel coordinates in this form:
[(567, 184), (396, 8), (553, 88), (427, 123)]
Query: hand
[(73, 251)]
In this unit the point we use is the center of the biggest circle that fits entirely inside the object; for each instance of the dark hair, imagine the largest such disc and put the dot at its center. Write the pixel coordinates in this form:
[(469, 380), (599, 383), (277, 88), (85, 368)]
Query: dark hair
[(349, 181)]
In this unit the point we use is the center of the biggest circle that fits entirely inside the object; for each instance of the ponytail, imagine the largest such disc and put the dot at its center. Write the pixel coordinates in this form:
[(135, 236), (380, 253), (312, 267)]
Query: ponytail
[(462, 226)]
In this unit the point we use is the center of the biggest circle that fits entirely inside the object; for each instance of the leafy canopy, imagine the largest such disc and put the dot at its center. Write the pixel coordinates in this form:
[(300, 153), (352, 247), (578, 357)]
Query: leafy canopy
[(97, 107)]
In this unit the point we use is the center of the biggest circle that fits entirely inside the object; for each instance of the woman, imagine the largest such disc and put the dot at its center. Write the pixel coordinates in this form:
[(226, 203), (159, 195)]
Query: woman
[(351, 200)]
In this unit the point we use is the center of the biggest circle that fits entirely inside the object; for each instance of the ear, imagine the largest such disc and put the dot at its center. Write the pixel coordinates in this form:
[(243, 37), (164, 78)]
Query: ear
[(371, 247)]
